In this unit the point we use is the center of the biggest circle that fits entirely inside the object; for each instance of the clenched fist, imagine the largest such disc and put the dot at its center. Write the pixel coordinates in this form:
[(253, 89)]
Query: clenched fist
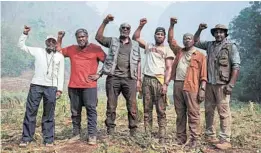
[(173, 20), (26, 29), (202, 26), (108, 18), (61, 34), (143, 21)]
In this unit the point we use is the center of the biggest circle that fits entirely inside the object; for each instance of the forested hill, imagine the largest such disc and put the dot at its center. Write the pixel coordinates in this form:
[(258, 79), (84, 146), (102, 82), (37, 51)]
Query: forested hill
[(45, 18), (243, 18)]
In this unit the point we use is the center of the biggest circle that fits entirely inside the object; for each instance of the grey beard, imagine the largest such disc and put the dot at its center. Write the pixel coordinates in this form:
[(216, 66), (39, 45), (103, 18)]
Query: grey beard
[(49, 50)]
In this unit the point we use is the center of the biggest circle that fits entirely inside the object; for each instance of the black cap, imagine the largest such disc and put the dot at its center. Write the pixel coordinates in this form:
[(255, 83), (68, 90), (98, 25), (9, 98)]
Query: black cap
[(160, 29)]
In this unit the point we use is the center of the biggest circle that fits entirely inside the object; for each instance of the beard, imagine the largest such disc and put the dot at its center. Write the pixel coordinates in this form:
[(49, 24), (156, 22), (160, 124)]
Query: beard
[(50, 49), (124, 34)]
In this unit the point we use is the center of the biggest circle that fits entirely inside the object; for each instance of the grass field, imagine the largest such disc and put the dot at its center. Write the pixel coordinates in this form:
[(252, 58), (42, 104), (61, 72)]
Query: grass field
[(246, 129)]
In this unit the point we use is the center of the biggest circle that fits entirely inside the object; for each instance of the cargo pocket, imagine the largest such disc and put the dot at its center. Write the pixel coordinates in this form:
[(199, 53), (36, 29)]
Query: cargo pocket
[(223, 61), (224, 75)]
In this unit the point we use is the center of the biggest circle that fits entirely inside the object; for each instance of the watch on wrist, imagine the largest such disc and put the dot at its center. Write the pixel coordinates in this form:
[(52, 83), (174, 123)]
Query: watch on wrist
[(202, 88), (100, 73), (231, 85)]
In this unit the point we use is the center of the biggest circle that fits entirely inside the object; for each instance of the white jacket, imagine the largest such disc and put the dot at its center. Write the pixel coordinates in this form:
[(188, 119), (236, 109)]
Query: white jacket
[(49, 68)]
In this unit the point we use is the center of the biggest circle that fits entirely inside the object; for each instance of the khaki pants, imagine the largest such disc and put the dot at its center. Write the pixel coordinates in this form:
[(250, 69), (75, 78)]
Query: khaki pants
[(215, 98), (186, 105)]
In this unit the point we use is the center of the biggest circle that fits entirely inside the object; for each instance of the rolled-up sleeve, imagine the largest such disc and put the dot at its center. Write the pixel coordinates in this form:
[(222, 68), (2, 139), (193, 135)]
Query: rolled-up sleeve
[(203, 71), (235, 58)]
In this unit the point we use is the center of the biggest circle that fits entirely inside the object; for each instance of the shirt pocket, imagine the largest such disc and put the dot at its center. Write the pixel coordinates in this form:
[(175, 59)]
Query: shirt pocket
[(194, 64)]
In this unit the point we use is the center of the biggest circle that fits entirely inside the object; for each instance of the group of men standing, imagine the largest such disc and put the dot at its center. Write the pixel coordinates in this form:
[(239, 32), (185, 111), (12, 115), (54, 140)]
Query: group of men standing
[(195, 77)]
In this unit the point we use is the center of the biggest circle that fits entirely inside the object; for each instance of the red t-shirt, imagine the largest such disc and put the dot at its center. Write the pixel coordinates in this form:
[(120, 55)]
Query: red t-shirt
[(83, 63)]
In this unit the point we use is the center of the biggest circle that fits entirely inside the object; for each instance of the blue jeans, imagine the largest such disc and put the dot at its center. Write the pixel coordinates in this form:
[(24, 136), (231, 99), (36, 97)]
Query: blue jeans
[(36, 93), (83, 97)]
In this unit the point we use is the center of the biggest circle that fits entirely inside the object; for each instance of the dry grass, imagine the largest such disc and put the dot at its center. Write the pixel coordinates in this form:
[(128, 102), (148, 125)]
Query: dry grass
[(246, 129)]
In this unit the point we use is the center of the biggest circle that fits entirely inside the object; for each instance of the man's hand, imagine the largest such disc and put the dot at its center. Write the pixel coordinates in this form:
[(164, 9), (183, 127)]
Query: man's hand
[(228, 89), (109, 18), (143, 21), (201, 95), (173, 20), (61, 34), (58, 94), (202, 26), (26, 29), (164, 89), (94, 77), (138, 85)]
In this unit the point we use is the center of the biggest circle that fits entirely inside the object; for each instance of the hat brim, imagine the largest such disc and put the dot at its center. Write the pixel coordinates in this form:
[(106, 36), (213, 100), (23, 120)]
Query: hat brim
[(214, 29), (51, 38)]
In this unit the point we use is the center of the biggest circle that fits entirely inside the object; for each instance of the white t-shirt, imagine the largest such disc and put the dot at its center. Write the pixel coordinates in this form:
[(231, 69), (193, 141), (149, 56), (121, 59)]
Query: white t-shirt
[(155, 59), (49, 68)]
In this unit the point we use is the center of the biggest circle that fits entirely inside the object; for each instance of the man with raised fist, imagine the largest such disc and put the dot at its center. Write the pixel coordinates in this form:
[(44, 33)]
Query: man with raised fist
[(47, 84), (223, 69), (157, 72), (189, 73), (122, 66), (82, 87)]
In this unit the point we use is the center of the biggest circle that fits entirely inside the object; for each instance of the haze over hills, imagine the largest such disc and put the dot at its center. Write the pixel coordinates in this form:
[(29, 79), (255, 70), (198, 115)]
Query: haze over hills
[(49, 17)]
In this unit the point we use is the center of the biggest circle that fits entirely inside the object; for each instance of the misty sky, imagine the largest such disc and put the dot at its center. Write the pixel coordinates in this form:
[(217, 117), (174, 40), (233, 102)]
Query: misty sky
[(189, 14)]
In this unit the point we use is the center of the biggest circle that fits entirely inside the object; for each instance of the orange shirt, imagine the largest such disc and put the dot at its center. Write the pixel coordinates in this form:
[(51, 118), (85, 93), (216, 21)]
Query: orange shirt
[(196, 72), (83, 63)]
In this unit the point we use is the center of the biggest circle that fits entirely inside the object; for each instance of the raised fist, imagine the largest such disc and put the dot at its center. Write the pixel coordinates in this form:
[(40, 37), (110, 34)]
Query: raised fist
[(26, 29), (61, 34), (173, 20), (143, 21), (109, 18), (202, 26)]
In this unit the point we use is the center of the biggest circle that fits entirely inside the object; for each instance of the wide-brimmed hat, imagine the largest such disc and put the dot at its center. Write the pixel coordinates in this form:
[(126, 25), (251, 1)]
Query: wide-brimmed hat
[(219, 26)]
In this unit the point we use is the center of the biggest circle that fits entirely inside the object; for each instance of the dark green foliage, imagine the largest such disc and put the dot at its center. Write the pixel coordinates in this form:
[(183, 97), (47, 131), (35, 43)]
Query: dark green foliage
[(245, 29)]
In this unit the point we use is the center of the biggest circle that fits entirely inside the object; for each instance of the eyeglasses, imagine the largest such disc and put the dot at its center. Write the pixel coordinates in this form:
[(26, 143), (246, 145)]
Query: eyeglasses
[(128, 28)]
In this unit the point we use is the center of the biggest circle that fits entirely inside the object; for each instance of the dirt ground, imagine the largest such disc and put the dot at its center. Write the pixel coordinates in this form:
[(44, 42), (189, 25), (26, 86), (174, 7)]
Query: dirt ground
[(246, 129)]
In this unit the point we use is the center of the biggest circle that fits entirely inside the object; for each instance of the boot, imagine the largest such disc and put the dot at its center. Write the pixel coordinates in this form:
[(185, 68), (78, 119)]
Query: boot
[(24, 144), (162, 133), (192, 144), (92, 140), (212, 140), (148, 130), (110, 131), (133, 132), (223, 145)]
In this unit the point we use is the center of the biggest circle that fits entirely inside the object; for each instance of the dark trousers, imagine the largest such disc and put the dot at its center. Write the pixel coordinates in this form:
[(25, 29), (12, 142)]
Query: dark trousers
[(36, 93), (83, 97), (126, 86), (152, 94)]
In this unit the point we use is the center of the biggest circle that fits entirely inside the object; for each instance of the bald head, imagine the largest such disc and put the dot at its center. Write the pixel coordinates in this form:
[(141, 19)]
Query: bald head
[(188, 40), (188, 35)]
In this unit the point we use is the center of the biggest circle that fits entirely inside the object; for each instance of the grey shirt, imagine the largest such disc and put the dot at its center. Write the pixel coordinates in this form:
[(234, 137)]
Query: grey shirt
[(212, 49), (123, 60)]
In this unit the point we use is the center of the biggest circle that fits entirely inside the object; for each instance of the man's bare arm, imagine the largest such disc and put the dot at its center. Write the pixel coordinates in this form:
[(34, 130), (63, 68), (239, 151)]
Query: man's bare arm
[(99, 35), (136, 35), (59, 40), (172, 43)]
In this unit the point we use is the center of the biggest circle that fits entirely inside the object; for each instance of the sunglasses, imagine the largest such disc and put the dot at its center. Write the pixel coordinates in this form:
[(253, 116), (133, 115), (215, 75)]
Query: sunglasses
[(128, 28)]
